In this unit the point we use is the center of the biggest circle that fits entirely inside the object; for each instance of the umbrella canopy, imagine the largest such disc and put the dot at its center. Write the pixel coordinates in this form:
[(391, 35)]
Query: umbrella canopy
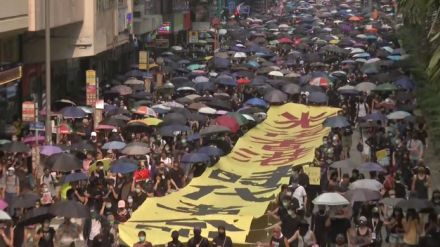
[(291, 88), (195, 157), (63, 162), (240, 118), (371, 167), (114, 145), (173, 129), (386, 87), (35, 216), (123, 166), (275, 96), (136, 148), (211, 151), (15, 147), (362, 195), (317, 97), (76, 176), (343, 164), (4, 216), (214, 129), (330, 199), (3, 204), (122, 90), (229, 122), (69, 209), (370, 184), (25, 200), (73, 112), (175, 118), (256, 102), (416, 203), (398, 115), (391, 201), (365, 86), (336, 122), (82, 146)]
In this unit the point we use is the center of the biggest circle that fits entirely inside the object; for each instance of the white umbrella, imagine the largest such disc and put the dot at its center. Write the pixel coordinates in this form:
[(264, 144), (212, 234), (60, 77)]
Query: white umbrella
[(398, 115), (365, 86), (330, 199), (248, 117), (240, 55), (222, 31), (4, 215), (173, 104), (369, 184), (207, 110), (283, 26), (177, 48), (133, 81), (357, 50), (276, 73)]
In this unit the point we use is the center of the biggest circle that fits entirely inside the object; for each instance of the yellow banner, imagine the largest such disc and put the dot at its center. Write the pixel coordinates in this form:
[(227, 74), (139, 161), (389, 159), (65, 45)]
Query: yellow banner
[(314, 174), (241, 185)]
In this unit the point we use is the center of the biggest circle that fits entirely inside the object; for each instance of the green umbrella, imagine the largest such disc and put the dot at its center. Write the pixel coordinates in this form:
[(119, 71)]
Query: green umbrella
[(386, 87), (195, 66), (4, 141), (241, 120)]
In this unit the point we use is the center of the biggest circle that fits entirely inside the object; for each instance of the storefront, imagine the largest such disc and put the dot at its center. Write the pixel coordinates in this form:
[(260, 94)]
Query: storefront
[(10, 76)]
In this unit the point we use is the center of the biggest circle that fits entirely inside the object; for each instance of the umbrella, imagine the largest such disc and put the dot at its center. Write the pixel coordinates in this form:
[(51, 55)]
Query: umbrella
[(386, 87), (25, 200), (76, 176), (214, 129), (343, 164), (319, 81), (371, 167), (195, 157), (82, 146), (256, 102), (275, 96), (391, 201), (370, 184), (4, 141), (210, 151), (15, 147), (114, 145), (123, 166), (70, 209), (317, 97), (330, 199), (291, 88), (4, 216), (336, 122), (229, 122), (144, 110), (173, 129), (73, 112), (174, 118), (136, 148), (33, 139), (3, 204), (207, 110), (416, 203), (122, 90), (365, 86), (35, 216), (375, 116), (362, 195), (398, 115), (276, 73), (240, 118), (63, 162)]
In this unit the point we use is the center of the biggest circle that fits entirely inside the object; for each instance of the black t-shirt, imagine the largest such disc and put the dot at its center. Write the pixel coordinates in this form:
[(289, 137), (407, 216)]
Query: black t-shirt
[(47, 237), (222, 242), (289, 225), (203, 242), (138, 199), (177, 176), (175, 244), (338, 226)]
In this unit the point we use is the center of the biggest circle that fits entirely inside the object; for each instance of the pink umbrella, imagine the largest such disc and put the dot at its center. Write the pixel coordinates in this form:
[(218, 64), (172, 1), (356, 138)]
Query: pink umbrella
[(3, 205), (32, 139)]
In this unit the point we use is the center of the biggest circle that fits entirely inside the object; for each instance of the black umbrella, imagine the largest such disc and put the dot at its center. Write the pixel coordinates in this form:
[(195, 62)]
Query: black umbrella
[(70, 209), (25, 200), (291, 88), (63, 162), (220, 104), (171, 130), (417, 204), (82, 146), (174, 118), (214, 129), (275, 97), (317, 97), (136, 148), (336, 122), (35, 216), (137, 127), (15, 147)]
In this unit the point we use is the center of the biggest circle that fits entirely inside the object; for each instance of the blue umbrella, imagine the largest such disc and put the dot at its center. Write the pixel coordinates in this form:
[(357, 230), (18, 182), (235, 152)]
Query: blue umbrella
[(123, 166), (114, 145), (253, 64), (226, 80), (371, 167), (205, 86), (170, 130), (405, 82), (221, 63), (195, 158), (211, 151), (193, 137), (73, 112), (256, 102), (394, 57), (76, 176), (376, 116), (317, 97)]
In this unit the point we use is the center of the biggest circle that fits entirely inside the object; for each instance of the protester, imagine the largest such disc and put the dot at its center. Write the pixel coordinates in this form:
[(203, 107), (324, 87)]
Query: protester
[(198, 240), (142, 240), (221, 239), (175, 240)]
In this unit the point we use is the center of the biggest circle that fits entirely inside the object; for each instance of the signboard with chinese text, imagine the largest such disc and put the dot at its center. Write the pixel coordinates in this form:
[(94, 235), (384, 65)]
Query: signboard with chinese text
[(143, 60), (28, 111), (91, 95), (91, 77)]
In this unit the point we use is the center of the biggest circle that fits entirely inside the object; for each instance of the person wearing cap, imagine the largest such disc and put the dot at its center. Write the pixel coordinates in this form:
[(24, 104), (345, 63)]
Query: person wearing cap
[(175, 240), (9, 187), (94, 137), (122, 214), (360, 235), (198, 240), (221, 240), (142, 240)]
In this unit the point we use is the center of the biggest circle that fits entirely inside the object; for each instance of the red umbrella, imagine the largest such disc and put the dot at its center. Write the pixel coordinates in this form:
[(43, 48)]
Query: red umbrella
[(105, 127), (319, 81), (355, 18), (243, 81), (228, 122), (285, 41)]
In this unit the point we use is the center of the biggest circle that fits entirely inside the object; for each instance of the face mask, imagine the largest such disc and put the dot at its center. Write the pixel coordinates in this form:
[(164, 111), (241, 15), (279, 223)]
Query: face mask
[(285, 204), (130, 200), (101, 168), (111, 222), (108, 205), (45, 190), (290, 212), (138, 190), (142, 239)]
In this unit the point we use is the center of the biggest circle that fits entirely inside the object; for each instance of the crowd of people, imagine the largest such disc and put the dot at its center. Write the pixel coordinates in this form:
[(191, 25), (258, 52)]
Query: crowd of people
[(155, 137)]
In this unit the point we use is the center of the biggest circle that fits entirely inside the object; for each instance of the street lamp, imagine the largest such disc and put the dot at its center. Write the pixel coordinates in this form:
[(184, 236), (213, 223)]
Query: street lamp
[(48, 79)]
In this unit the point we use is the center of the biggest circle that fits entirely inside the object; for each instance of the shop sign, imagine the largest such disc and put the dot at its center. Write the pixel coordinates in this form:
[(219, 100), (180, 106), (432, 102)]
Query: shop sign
[(143, 60), (91, 77), (193, 37), (28, 111), (9, 75), (91, 95), (162, 43)]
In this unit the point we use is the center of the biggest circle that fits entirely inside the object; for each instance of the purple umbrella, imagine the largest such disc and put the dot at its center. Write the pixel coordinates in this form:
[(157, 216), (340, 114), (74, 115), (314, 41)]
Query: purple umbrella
[(371, 167), (48, 150), (3, 205), (32, 139)]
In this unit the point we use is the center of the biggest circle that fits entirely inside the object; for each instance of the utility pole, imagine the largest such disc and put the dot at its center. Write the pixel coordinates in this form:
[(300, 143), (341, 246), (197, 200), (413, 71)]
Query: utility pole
[(48, 79)]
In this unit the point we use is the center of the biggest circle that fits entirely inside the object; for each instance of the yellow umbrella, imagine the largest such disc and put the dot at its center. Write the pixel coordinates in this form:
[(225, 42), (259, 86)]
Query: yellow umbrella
[(150, 121), (106, 163), (207, 58), (152, 65), (63, 190), (334, 41)]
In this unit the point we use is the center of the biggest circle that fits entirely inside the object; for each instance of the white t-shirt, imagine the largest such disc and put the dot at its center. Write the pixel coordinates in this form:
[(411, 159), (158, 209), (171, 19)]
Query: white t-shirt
[(95, 229), (299, 194)]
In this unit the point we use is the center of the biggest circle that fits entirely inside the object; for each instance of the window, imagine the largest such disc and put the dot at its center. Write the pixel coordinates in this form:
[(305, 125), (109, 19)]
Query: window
[(103, 5)]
